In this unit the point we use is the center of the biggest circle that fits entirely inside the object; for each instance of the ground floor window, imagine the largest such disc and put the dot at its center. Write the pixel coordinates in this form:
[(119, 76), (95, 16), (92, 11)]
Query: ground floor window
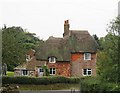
[(87, 72), (52, 71), (24, 72), (41, 70)]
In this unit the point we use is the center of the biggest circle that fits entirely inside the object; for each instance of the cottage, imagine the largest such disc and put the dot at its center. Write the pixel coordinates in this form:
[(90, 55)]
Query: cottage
[(73, 55)]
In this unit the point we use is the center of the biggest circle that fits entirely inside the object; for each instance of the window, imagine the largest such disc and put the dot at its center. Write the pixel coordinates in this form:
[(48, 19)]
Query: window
[(41, 70), (24, 72), (87, 72), (27, 57), (87, 56), (52, 59), (52, 71)]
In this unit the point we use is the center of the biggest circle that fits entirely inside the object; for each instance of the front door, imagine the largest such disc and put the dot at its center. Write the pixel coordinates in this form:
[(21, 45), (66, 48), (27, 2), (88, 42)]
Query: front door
[(40, 72)]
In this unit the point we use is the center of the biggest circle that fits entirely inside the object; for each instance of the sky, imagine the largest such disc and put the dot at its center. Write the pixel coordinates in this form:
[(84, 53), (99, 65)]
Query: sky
[(46, 17)]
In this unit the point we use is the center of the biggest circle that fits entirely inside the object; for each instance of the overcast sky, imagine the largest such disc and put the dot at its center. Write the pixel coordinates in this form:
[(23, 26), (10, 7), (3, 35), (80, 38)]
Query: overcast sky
[(46, 17)]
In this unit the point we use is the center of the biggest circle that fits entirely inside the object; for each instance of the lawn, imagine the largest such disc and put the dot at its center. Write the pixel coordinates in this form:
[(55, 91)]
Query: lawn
[(10, 73), (50, 87)]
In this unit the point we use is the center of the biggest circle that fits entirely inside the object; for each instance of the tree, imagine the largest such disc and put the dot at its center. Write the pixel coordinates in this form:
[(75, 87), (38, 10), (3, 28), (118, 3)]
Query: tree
[(15, 43), (108, 57)]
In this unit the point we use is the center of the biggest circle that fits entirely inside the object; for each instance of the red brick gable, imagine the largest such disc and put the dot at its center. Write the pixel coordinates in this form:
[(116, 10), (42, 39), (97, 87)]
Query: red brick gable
[(78, 64), (31, 52), (75, 56)]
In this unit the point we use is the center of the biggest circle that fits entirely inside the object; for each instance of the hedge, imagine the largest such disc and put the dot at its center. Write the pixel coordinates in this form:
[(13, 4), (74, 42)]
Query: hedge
[(39, 81), (94, 84)]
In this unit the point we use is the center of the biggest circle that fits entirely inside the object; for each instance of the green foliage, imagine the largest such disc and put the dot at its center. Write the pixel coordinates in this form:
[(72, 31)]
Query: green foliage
[(108, 63), (109, 55), (10, 73), (46, 71), (94, 84), (39, 81), (58, 86), (15, 43), (89, 84)]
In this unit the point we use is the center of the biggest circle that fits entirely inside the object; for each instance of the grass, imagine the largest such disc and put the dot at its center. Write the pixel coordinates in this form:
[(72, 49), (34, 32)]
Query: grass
[(50, 87), (10, 73)]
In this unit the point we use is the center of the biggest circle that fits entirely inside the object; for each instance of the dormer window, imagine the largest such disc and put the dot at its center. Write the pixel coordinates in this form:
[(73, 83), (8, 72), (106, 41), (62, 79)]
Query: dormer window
[(87, 56), (27, 57), (52, 59)]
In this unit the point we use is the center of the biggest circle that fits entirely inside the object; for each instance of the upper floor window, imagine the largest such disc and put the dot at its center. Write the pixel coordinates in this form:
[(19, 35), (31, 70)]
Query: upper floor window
[(87, 72), (87, 56), (52, 59), (27, 57)]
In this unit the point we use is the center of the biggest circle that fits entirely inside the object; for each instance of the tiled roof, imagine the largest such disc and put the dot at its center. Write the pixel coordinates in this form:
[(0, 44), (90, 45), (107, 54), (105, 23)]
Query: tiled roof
[(31, 64)]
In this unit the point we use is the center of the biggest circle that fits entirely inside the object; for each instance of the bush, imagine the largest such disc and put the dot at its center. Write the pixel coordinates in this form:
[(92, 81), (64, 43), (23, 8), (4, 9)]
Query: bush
[(37, 81), (10, 73), (94, 84)]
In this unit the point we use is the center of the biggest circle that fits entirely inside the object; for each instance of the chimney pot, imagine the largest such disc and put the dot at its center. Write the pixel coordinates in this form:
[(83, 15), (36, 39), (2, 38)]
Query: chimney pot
[(66, 27)]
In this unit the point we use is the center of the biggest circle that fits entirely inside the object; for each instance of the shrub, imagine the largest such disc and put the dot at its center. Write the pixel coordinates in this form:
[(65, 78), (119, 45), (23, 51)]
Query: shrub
[(10, 73), (94, 84), (41, 80)]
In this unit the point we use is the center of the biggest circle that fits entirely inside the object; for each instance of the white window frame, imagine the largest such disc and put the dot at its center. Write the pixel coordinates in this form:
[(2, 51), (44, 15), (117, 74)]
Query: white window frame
[(23, 74), (41, 70), (85, 58), (53, 69), (52, 60), (87, 70), (28, 58)]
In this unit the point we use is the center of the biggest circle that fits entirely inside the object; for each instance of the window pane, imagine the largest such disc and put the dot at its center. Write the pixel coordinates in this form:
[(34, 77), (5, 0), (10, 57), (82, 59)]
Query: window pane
[(53, 72), (24, 72), (89, 72), (52, 59), (41, 70), (50, 70), (85, 71), (89, 69), (87, 56)]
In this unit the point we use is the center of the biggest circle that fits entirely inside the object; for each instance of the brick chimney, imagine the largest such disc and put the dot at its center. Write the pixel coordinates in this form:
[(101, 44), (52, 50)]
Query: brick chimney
[(66, 28)]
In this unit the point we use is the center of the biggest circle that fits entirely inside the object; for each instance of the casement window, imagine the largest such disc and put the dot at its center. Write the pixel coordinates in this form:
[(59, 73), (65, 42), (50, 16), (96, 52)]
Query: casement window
[(52, 71), (41, 70), (87, 72), (87, 56), (24, 72), (27, 57), (52, 59)]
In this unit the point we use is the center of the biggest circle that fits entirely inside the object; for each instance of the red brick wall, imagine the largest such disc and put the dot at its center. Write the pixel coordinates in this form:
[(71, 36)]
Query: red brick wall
[(78, 63), (62, 68), (74, 57), (31, 53)]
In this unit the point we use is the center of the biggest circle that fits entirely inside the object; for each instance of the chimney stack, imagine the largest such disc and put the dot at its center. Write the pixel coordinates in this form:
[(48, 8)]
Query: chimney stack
[(66, 28)]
